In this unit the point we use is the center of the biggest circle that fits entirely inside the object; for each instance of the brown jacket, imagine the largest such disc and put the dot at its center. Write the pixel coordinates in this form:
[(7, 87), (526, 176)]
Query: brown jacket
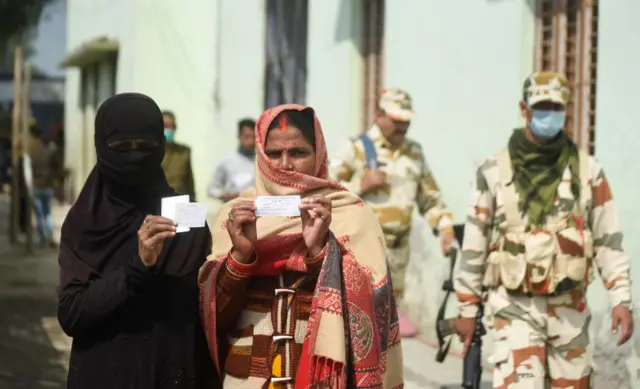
[(44, 166), (177, 168)]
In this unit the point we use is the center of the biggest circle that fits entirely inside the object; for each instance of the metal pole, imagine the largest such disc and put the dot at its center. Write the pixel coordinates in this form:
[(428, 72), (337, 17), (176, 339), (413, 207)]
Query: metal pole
[(14, 224), (26, 159)]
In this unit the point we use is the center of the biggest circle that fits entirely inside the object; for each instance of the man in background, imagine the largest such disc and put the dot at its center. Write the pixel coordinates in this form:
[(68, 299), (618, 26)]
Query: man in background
[(177, 160), (235, 172), (389, 172), (43, 166)]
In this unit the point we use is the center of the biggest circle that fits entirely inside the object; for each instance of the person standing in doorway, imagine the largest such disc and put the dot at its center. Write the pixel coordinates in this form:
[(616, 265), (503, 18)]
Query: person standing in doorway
[(43, 166), (389, 171), (235, 172), (177, 159)]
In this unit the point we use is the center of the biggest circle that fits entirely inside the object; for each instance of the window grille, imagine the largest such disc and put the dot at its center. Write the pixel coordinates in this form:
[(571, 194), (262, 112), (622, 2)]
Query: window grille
[(372, 54), (567, 42)]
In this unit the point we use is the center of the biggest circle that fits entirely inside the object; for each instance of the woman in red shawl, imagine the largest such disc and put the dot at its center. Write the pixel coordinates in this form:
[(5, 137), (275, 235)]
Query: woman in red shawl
[(299, 302)]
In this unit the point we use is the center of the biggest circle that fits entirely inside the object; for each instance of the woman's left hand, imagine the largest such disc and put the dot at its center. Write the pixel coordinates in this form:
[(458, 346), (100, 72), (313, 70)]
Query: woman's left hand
[(315, 228)]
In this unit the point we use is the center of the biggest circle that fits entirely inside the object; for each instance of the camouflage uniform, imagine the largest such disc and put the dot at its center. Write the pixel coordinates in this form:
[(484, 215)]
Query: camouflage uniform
[(409, 183), (541, 329)]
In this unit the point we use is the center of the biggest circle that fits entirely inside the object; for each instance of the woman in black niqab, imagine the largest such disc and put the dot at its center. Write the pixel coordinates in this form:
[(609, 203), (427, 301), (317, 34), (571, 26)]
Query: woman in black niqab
[(134, 321)]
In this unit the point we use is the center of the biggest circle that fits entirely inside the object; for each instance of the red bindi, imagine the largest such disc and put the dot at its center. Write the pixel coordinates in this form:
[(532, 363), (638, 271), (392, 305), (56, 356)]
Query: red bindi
[(283, 124)]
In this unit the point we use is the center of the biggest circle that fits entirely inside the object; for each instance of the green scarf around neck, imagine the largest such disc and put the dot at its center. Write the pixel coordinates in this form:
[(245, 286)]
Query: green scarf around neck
[(538, 170)]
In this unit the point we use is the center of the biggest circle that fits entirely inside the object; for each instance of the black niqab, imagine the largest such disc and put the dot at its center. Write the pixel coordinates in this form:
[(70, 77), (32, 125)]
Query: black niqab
[(124, 186), (131, 175)]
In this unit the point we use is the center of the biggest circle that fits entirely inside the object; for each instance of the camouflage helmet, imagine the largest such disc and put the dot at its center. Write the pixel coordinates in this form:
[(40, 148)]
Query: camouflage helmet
[(546, 86)]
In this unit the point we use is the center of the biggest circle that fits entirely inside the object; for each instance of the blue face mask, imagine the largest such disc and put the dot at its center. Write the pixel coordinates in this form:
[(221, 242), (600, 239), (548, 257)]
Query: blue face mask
[(545, 124), (169, 135)]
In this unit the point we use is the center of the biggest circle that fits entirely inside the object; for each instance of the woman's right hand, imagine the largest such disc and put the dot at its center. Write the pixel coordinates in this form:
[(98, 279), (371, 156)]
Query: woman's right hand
[(241, 226), (151, 235)]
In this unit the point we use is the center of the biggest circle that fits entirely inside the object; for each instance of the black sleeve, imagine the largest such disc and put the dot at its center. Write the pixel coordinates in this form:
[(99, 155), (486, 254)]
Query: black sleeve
[(85, 305), (191, 185)]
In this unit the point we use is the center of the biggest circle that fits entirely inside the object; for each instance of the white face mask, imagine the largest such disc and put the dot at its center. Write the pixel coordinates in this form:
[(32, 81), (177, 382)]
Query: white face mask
[(546, 124)]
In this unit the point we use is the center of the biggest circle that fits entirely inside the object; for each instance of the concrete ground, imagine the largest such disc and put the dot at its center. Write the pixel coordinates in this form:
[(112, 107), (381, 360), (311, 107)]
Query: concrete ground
[(34, 350), (32, 355)]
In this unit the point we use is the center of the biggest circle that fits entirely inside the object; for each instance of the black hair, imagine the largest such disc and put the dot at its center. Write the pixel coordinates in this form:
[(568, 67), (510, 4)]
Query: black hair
[(249, 123), (303, 120)]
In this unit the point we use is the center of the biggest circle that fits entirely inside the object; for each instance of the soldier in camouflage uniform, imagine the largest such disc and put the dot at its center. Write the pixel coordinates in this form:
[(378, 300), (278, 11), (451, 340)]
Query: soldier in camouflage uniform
[(402, 181), (541, 218)]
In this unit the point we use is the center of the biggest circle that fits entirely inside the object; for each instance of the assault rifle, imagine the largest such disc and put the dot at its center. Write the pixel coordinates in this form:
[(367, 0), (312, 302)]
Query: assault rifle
[(472, 366)]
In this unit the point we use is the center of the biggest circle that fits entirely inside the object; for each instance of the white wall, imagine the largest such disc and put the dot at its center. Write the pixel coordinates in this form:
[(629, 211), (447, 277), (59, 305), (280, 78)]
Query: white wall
[(334, 80), (617, 136), (617, 115), (202, 59)]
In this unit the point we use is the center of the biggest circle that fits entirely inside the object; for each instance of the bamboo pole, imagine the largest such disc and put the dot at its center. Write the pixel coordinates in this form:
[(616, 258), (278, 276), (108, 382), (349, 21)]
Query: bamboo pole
[(14, 223)]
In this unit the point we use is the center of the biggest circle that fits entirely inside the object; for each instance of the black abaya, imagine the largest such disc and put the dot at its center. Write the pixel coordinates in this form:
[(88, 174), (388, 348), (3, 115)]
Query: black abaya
[(132, 326)]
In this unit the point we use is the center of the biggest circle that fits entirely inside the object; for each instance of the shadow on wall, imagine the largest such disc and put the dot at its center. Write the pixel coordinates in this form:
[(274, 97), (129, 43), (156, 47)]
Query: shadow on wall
[(345, 27), (615, 367)]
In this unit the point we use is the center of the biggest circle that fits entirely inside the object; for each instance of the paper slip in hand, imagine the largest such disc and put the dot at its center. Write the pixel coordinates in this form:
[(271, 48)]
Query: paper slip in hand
[(277, 206), (193, 215), (168, 209)]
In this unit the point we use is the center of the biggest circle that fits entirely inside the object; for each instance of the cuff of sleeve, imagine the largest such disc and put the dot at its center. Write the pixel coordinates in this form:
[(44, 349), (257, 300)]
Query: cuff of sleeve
[(468, 311), (620, 297), (445, 222), (239, 270), (318, 258)]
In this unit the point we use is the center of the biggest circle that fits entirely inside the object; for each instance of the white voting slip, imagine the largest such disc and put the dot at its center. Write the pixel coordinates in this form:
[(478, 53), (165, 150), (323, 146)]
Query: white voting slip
[(192, 215), (168, 209), (277, 206)]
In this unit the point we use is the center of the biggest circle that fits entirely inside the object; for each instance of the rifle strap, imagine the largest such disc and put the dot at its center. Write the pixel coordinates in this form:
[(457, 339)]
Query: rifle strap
[(369, 151), (443, 345)]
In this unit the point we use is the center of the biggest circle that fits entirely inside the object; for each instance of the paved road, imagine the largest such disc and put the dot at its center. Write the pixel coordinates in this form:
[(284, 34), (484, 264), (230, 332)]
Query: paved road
[(34, 350), (28, 357)]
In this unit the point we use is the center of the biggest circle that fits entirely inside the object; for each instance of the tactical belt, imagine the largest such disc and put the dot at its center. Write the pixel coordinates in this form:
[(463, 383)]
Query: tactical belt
[(566, 285)]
